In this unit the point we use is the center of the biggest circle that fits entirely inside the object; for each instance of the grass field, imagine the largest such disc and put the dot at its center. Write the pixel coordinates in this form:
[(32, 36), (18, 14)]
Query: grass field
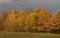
[(27, 35)]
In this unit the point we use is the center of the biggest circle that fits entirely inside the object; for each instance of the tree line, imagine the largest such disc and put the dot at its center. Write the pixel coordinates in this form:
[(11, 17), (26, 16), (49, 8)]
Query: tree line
[(28, 20)]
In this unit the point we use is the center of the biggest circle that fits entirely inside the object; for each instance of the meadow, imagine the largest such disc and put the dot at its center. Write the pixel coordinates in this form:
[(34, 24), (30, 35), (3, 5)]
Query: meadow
[(27, 35)]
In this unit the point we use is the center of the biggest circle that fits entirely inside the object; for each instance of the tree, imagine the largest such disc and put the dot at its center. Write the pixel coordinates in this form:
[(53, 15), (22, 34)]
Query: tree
[(22, 15), (54, 23), (3, 17), (44, 16), (37, 10), (31, 22), (11, 21), (1, 23)]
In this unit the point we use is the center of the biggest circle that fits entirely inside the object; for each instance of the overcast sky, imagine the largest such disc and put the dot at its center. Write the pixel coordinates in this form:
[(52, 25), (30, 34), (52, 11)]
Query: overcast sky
[(52, 5)]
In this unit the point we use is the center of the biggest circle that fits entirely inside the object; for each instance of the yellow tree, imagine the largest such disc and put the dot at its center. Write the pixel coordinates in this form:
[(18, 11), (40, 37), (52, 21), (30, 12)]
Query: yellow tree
[(11, 21), (3, 17), (31, 22), (37, 10), (1, 23), (44, 16), (21, 19), (54, 23)]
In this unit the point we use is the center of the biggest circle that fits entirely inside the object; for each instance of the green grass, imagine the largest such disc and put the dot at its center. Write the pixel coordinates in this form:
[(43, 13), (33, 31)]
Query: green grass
[(27, 35)]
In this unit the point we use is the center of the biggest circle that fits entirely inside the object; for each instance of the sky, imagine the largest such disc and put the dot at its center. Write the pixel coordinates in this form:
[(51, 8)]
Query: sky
[(51, 5)]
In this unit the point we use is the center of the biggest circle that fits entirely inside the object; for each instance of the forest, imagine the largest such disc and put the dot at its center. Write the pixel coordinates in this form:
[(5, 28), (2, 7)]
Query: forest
[(30, 20)]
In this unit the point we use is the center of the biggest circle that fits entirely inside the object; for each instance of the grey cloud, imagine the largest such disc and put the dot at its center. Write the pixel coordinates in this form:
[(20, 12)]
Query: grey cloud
[(19, 4)]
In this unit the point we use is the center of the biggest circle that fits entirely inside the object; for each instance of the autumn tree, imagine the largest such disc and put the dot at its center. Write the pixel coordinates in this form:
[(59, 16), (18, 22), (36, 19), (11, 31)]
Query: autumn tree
[(21, 18), (10, 21), (31, 22), (54, 23), (44, 16), (1, 23), (3, 17), (37, 20), (37, 10)]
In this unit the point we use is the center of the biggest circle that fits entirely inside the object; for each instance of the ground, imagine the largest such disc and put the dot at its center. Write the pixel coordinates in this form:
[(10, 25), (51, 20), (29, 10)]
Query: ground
[(27, 35)]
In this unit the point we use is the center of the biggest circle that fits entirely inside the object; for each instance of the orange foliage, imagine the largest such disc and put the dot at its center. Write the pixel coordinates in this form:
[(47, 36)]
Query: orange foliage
[(29, 20)]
